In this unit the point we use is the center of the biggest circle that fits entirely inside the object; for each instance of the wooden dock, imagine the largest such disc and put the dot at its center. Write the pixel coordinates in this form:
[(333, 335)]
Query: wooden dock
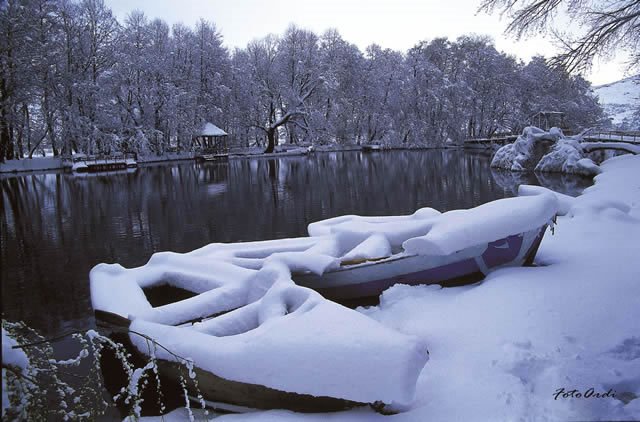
[(97, 163), (486, 143), (212, 157)]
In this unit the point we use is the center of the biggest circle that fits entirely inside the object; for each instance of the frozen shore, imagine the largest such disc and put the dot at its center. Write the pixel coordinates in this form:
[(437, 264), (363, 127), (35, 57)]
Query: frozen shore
[(558, 341)]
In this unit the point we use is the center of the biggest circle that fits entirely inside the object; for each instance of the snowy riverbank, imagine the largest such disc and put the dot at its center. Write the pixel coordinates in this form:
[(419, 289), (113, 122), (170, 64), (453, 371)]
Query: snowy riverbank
[(54, 163), (532, 343)]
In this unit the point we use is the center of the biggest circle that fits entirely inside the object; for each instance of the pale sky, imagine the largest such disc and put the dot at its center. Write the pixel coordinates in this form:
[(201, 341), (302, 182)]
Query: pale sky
[(396, 24)]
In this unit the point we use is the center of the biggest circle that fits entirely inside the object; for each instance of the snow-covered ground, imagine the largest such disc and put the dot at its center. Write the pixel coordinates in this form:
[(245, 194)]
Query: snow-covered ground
[(559, 341), (620, 99), (34, 164)]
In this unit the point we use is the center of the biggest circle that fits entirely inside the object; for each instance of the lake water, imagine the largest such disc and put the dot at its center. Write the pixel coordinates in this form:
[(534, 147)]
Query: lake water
[(56, 226)]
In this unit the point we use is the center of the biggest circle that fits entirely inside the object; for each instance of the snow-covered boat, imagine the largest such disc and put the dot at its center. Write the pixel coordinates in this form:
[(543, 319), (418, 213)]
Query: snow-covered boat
[(361, 282), (261, 341), (450, 249), (371, 148), (253, 338)]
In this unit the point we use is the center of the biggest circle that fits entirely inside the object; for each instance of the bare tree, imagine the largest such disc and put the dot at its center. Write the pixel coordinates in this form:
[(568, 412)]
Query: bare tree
[(608, 25)]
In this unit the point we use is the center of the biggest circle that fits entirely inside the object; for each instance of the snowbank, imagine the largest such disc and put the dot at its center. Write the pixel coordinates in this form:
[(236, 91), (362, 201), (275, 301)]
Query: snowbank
[(544, 151), (31, 164), (565, 202)]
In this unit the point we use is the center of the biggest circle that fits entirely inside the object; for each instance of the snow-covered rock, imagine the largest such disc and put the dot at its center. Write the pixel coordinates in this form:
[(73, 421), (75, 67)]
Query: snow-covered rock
[(544, 151), (567, 156), (527, 150)]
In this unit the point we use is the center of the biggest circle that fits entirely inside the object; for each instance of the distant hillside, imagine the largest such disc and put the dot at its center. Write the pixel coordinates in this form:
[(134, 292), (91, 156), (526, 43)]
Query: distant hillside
[(621, 100)]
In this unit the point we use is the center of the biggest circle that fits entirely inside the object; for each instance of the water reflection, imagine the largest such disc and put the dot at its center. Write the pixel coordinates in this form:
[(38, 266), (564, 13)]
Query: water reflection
[(568, 184), (55, 227)]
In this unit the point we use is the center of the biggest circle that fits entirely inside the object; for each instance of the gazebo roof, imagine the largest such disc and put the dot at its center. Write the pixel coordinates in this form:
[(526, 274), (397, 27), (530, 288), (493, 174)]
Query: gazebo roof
[(209, 129)]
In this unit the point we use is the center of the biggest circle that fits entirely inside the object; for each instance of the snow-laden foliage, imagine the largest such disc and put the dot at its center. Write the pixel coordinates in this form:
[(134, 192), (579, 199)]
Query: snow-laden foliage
[(37, 386), (74, 79)]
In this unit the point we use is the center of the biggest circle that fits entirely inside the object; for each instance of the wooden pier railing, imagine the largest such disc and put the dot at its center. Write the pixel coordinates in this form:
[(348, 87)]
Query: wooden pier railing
[(632, 137)]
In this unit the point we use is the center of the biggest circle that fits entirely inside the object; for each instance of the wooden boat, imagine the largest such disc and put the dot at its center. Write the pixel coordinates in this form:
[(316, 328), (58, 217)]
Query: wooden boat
[(255, 338), (371, 148), (363, 282), (217, 392)]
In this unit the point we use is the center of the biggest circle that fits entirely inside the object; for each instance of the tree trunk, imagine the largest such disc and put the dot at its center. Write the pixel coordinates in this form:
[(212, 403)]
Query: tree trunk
[(5, 136), (271, 137)]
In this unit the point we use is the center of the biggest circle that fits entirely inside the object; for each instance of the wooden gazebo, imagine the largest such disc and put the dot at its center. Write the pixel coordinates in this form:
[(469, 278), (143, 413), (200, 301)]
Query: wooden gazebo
[(212, 140), (547, 119)]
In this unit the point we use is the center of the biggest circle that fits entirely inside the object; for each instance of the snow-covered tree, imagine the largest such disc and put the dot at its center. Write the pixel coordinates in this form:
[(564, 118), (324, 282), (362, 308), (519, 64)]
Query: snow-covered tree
[(74, 79), (608, 25)]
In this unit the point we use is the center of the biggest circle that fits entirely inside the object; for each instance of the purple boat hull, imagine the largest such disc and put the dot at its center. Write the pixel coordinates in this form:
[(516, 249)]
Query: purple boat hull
[(363, 283)]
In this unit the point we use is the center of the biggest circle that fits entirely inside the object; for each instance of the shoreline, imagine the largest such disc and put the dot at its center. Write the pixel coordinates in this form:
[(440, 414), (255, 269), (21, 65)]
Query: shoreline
[(53, 164)]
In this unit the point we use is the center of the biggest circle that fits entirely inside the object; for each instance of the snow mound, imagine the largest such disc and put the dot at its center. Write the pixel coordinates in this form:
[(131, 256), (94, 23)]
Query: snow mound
[(460, 229), (374, 247), (544, 151), (527, 149), (567, 156), (395, 229), (565, 202)]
